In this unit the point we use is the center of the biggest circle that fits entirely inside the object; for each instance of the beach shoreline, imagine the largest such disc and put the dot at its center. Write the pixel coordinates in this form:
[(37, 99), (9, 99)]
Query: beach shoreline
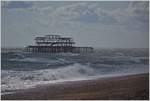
[(134, 87)]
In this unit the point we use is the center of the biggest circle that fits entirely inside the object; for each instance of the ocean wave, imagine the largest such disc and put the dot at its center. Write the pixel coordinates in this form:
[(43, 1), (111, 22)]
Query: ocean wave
[(40, 60), (122, 60), (21, 70), (13, 80), (69, 58)]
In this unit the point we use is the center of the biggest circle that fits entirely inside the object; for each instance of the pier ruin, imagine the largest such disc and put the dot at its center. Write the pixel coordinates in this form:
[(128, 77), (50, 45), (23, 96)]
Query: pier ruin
[(56, 44)]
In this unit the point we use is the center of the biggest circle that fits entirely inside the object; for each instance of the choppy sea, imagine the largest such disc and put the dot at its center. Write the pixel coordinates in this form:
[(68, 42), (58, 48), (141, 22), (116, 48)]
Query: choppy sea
[(20, 70)]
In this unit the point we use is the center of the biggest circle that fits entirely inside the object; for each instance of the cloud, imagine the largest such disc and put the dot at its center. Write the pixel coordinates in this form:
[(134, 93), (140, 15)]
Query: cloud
[(100, 23), (136, 12), (85, 12), (16, 4)]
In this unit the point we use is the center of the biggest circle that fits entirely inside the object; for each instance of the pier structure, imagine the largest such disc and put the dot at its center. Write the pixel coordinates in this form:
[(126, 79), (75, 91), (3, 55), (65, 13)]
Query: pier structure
[(56, 44)]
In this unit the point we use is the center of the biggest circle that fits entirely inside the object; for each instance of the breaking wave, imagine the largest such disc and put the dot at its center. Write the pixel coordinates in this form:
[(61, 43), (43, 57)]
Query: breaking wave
[(13, 80), (21, 71)]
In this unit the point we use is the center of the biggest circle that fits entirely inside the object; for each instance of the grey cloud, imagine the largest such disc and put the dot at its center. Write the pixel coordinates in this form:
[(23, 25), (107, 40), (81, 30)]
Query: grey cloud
[(135, 15), (87, 22), (16, 4)]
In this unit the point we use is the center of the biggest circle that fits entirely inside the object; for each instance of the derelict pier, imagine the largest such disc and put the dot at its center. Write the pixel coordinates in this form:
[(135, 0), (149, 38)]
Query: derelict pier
[(56, 44)]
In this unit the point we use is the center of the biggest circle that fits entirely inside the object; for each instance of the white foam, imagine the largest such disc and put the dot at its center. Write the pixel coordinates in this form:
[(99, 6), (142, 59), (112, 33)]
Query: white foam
[(13, 80)]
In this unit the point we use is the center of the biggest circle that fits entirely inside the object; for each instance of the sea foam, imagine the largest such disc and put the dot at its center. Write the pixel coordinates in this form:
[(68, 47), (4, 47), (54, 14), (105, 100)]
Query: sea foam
[(13, 80)]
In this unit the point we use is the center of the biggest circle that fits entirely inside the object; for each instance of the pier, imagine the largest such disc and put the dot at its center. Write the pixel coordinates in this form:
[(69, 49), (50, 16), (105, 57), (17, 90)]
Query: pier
[(56, 44)]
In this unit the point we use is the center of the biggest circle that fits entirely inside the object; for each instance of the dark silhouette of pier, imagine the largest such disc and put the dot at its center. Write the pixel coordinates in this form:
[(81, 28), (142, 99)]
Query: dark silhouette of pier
[(56, 44)]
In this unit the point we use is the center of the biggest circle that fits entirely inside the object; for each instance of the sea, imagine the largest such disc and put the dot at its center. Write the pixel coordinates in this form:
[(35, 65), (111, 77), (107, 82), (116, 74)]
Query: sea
[(22, 70)]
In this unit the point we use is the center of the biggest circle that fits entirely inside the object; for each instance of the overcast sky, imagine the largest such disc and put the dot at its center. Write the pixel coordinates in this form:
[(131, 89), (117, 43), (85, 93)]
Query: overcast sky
[(112, 24)]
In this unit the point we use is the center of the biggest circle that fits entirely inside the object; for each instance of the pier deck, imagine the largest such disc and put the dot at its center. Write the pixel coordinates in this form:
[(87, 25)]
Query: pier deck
[(58, 49)]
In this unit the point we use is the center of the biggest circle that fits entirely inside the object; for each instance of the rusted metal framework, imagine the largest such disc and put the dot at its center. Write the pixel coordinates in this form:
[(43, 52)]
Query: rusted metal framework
[(56, 44)]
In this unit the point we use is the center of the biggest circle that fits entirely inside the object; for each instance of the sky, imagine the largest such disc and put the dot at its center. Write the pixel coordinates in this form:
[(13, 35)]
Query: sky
[(110, 24)]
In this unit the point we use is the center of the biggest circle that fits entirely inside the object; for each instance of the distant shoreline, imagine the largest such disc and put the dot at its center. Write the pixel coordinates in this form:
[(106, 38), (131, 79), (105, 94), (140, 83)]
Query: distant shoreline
[(135, 87)]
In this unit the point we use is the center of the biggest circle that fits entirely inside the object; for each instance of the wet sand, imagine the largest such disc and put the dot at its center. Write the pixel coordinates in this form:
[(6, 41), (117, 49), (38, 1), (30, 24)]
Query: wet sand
[(124, 87)]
